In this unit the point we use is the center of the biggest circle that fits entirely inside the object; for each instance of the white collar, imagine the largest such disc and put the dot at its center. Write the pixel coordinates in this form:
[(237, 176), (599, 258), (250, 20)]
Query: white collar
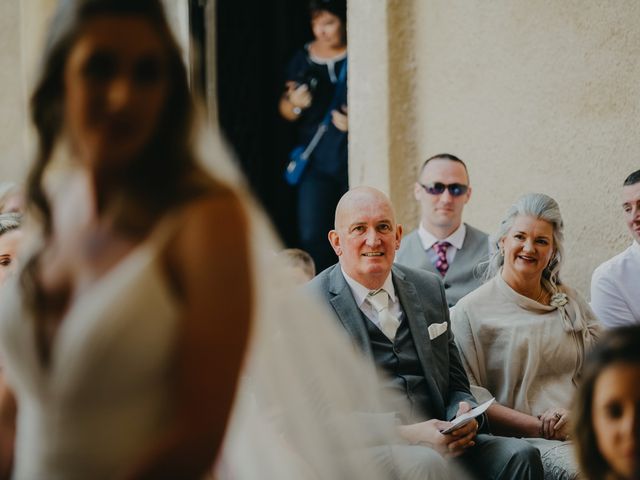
[(456, 239), (322, 60), (360, 292)]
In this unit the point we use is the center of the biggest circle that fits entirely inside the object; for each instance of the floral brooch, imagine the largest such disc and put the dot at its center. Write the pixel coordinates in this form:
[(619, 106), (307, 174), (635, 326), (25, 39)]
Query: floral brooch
[(559, 300)]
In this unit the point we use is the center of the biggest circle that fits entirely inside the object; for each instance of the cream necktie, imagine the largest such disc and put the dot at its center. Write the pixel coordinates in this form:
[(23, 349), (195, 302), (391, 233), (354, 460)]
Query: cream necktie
[(389, 324)]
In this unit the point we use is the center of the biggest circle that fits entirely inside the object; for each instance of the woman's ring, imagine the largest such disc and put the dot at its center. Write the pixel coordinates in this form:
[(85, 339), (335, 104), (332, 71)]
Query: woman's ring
[(557, 416)]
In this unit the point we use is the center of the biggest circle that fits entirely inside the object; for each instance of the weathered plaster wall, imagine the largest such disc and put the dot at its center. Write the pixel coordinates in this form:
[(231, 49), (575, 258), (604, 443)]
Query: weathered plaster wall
[(403, 91), (12, 107), (535, 96), (368, 94), (382, 93)]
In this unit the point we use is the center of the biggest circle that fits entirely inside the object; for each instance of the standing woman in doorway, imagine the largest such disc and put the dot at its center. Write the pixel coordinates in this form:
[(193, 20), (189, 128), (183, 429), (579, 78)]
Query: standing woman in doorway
[(123, 340), (313, 81)]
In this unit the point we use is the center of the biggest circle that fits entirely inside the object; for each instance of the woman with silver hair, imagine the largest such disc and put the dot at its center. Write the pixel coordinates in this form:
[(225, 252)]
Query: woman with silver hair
[(10, 239), (523, 334)]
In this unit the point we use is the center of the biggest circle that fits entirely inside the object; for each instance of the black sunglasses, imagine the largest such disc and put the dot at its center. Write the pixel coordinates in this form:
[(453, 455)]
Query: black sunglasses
[(437, 188)]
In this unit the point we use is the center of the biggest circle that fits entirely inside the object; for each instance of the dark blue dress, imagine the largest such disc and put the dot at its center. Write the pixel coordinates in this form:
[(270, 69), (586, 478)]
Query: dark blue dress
[(326, 177)]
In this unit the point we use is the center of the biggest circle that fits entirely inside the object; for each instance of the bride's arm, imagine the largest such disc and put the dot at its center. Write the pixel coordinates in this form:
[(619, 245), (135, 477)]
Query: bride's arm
[(208, 261), (8, 411)]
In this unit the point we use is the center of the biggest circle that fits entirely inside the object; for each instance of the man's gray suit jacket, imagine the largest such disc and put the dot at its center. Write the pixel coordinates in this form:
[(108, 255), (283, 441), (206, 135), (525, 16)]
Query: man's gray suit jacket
[(464, 274), (423, 302)]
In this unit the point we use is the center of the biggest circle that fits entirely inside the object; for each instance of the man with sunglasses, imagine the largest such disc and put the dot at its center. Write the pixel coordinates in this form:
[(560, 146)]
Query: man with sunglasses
[(442, 243)]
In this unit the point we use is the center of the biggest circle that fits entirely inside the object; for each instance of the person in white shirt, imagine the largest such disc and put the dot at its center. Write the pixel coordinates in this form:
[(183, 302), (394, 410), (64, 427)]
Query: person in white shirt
[(442, 243), (615, 285)]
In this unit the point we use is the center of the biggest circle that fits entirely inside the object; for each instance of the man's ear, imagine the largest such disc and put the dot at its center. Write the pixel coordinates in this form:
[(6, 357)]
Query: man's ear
[(398, 235), (334, 240), (468, 194), (417, 189)]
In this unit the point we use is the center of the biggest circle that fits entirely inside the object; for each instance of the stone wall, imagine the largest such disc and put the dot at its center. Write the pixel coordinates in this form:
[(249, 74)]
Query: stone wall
[(12, 104), (534, 96)]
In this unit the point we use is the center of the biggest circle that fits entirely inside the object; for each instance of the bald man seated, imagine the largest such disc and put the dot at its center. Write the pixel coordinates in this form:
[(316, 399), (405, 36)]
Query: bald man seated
[(398, 317)]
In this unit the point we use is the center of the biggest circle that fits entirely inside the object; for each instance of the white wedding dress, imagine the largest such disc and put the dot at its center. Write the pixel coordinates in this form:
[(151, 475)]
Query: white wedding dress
[(105, 395)]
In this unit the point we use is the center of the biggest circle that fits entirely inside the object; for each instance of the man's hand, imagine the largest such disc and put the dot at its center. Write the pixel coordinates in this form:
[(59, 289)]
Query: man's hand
[(452, 444), (466, 433), (428, 434), (554, 424)]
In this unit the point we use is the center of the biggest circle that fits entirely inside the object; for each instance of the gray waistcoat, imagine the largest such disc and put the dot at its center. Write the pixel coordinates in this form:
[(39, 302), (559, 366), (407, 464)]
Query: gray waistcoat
[(463, 275), (399, 360)]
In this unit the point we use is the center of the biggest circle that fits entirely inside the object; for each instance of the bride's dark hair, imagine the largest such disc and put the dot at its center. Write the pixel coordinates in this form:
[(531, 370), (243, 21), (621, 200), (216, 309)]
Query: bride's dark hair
[(152, 178), (164, 173)]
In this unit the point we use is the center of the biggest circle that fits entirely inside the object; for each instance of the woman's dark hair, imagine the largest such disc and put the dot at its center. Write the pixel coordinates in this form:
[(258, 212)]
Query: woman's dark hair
[(162, 174), (151, 179), (335, 7), (620, 345)]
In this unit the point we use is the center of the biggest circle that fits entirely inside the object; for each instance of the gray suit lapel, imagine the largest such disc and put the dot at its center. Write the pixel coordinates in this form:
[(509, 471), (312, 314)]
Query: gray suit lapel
[(347, 310), (418, 325)]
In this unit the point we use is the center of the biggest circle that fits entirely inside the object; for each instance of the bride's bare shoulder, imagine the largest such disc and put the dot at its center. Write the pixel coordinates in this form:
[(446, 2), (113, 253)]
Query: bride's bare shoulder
[(211, 238), (218, 207)]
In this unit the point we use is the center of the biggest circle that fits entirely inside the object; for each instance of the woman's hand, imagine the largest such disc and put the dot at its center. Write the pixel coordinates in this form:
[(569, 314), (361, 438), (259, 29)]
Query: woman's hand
[(299, 95), (340, 118), (294, 99), (555, 424)]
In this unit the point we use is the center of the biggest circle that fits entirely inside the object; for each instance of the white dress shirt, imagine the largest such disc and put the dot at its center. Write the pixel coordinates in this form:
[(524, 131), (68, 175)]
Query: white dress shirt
[(456, 239), (615, 289), (360, 293)]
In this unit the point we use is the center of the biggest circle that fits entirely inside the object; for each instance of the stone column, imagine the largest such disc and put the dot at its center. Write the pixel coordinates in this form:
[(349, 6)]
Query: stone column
[(31, 21), (382, 114)]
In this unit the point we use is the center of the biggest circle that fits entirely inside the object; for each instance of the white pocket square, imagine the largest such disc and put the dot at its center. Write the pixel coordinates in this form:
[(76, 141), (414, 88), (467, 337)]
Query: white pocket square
[(437, 329)]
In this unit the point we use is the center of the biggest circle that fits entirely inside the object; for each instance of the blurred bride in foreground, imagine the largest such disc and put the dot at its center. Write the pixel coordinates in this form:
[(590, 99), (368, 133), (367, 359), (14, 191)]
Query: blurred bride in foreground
[(124, 334), (117, 346)]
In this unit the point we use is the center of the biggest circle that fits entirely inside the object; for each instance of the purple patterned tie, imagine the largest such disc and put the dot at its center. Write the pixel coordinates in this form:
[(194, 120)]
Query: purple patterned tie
[(441, 250)]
